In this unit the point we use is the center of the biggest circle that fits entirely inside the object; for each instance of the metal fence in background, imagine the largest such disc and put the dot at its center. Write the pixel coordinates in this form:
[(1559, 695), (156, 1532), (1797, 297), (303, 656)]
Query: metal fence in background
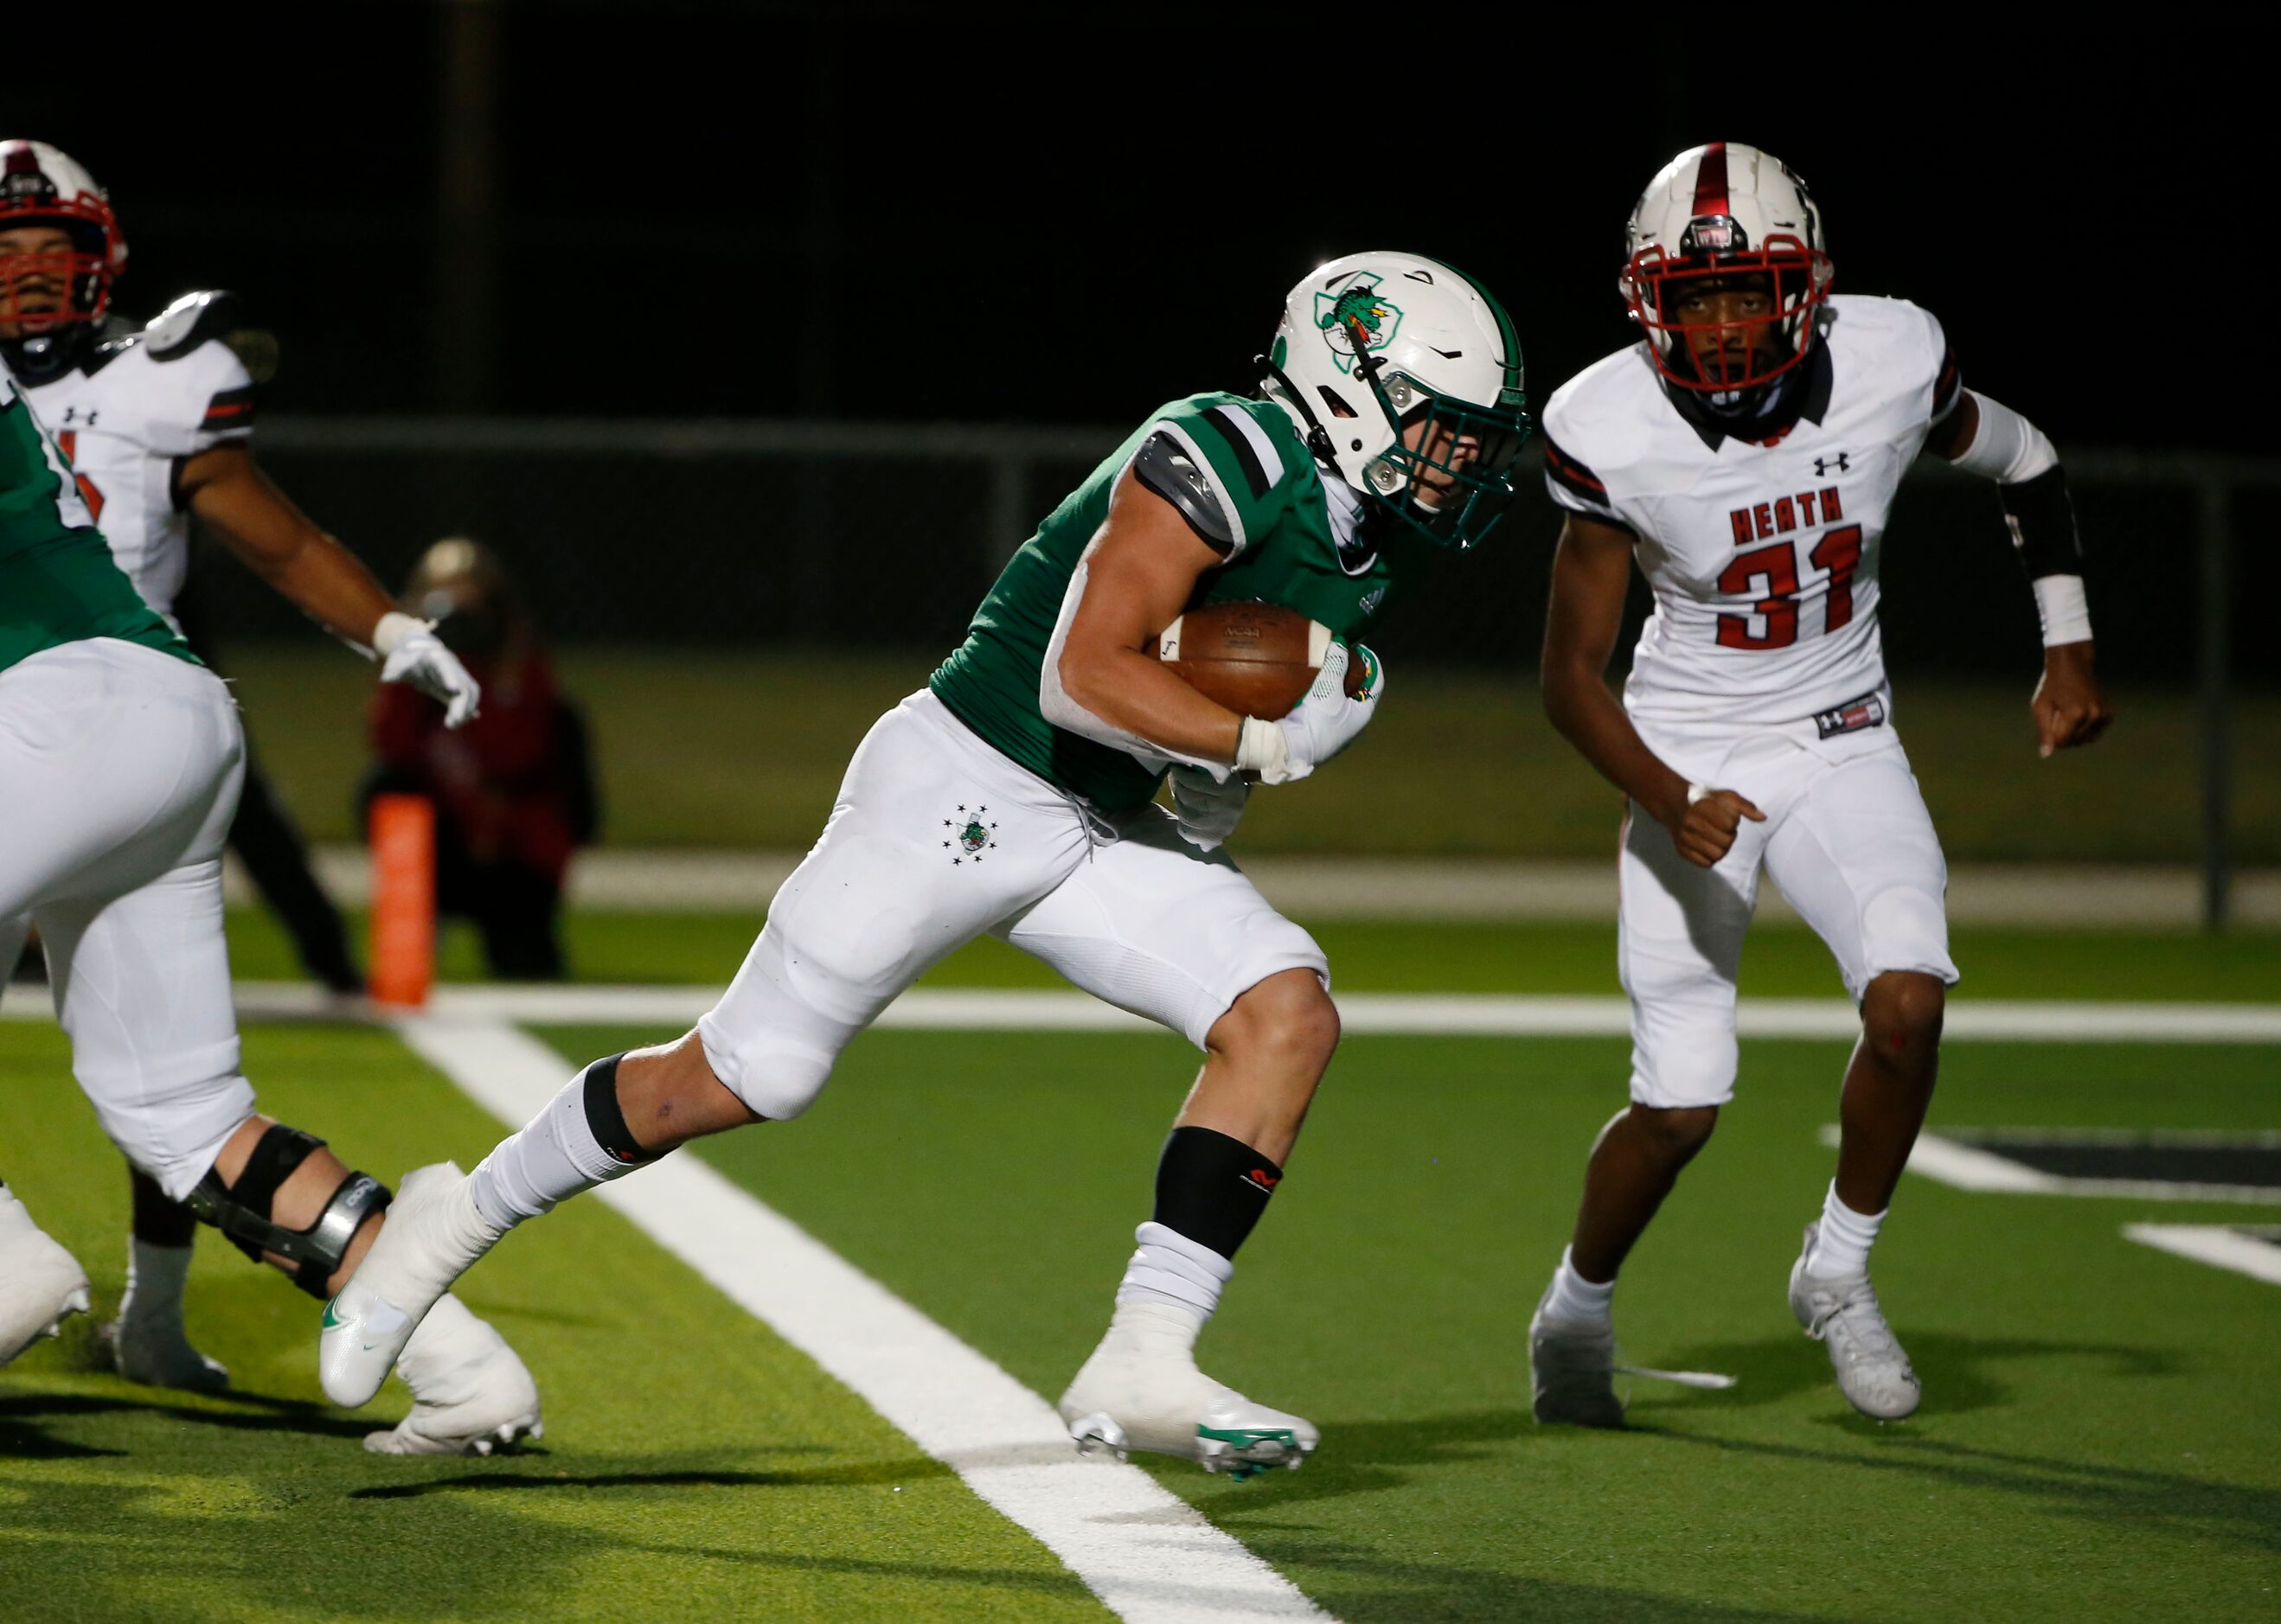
[(870, 535)]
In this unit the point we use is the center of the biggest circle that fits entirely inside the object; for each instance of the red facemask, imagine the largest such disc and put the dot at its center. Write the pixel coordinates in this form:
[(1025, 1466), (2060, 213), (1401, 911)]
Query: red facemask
[(78, 277), (1796, 276)]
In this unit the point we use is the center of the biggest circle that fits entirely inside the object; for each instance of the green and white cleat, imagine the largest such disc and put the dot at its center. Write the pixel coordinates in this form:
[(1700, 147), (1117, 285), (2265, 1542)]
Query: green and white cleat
[(1144, 1392), (411, 1264), (1571, 1370), (40, 1282), (1843, 1315)]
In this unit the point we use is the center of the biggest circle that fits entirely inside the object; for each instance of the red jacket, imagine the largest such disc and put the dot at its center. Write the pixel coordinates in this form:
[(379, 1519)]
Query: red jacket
[(507, 785)]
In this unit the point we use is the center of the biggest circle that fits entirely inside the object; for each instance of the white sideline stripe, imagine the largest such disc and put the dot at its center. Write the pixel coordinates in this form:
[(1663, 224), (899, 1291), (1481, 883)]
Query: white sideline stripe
[(2213, 1245), (1400, 1014), (1970, 1166), (1147, 1554)]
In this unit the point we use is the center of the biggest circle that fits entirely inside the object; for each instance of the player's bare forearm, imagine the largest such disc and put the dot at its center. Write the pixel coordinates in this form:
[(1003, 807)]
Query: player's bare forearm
[(1140, 572), (1590, 572), (2070, 707), (1585, 713), (232, 497)]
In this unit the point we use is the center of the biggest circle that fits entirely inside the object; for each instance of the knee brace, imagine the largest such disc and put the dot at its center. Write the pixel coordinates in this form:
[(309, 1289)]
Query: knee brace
[(241, 1211)]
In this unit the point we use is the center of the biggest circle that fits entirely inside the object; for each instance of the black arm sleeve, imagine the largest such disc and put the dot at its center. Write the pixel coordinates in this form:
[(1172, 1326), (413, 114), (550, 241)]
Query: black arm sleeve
[(2042, 520)]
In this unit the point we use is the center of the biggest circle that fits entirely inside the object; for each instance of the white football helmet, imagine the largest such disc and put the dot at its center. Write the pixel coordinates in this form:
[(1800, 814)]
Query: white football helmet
[(1373, 345), (1725, 210), (40, 186)]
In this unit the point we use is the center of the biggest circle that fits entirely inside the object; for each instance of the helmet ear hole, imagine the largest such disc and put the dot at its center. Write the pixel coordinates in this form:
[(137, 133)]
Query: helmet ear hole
[(1335, 401)]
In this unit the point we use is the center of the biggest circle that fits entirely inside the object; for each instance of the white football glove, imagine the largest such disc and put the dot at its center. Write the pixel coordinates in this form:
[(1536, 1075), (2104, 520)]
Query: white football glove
[(1208, 809), (412, 653), (1320, 725)]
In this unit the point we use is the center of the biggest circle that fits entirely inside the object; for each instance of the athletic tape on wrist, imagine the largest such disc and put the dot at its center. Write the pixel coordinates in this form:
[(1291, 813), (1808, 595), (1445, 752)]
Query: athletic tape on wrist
[(2063, 609), (1262, 747), (394, 627)]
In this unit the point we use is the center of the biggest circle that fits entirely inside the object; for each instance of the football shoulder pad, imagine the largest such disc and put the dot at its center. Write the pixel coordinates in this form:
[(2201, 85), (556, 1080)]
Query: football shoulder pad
[(192, 320)]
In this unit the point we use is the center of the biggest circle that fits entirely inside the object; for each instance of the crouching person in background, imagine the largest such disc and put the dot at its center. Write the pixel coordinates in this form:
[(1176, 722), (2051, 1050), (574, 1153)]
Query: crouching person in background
[(514, 789)]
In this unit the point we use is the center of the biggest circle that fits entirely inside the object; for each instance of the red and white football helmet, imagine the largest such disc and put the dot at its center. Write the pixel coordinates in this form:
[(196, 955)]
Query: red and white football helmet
[(1724, 210), (40, 186)]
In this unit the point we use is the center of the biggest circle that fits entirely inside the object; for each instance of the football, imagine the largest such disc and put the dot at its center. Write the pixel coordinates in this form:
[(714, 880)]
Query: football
[(1256, 659)]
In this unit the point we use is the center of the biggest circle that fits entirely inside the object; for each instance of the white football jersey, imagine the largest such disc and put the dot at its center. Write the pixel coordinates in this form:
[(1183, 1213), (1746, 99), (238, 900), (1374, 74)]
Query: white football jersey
[(1762, 555), (126, 415)]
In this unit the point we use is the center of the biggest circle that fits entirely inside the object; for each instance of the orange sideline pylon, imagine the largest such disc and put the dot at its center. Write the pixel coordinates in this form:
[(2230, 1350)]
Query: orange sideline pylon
[(403, 899)]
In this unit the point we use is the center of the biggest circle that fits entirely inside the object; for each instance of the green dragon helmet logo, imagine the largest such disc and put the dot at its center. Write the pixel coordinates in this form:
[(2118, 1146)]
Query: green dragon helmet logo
[(1355, 319)]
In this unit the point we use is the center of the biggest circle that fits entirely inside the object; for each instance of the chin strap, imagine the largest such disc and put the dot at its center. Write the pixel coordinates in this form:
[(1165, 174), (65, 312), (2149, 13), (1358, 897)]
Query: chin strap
[(1319, 439)]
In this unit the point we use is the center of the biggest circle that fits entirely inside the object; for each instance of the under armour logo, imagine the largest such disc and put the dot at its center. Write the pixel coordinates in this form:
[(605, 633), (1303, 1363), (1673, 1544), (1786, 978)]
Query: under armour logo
[(1823, 465)]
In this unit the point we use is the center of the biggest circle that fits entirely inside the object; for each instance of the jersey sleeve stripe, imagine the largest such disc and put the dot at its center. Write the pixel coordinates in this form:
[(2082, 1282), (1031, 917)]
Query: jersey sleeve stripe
[(1572, 485), (229, 409), (1255, 453), (1567, 471), (1179, 433)]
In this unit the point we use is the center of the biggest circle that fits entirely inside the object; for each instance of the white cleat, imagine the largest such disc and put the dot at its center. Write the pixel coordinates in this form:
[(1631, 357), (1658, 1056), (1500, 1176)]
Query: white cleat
[(1571, 1370), (40, 1282), (1144, 1391), (158, 1353), (1843, 1315), (472, 1394), (414, 1261)]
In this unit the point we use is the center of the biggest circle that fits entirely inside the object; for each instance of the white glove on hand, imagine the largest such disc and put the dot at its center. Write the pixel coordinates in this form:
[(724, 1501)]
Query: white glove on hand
[(412, 653), (1207, 809), (1320, 725)]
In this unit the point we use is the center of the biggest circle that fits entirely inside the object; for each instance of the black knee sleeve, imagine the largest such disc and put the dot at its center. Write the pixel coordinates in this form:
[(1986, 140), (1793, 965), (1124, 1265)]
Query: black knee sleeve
[(605, 1119), (1212, 1189), (241, 1211)]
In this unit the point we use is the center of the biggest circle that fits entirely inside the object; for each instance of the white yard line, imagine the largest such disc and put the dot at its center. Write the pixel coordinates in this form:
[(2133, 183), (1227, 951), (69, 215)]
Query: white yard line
[(2213, 1245), (1399, 1014), (1147, 1554), (1974, 1167)]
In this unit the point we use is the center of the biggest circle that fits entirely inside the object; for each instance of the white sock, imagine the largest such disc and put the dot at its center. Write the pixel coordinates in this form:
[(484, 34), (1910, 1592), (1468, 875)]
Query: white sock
[(1170, 1268), (155, 1276), (1155, 1328), (1575, 1297), (553, 1157), (448, 1353), (1841, 1245)]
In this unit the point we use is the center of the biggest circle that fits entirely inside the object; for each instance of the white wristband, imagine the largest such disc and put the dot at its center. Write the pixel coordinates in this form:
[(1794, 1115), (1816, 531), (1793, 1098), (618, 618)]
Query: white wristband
[(1262, 748), (2061, 606), (1697, 792), (394, 627)]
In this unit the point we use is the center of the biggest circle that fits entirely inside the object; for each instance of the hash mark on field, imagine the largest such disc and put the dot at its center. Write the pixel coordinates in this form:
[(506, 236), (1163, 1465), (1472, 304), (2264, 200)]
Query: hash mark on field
[(1147, 1554)]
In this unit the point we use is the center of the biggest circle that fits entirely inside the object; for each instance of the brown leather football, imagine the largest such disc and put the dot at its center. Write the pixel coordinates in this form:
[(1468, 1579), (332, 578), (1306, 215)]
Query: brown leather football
[(1256, 659)]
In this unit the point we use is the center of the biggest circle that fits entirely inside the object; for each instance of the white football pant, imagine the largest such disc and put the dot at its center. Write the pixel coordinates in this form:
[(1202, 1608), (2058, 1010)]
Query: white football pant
[(1848, 840), (118, 774), (936, 838)]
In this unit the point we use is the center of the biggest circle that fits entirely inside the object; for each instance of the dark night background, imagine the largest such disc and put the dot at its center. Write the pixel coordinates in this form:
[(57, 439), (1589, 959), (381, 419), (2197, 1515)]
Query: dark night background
[(725, 209), (871, 212)]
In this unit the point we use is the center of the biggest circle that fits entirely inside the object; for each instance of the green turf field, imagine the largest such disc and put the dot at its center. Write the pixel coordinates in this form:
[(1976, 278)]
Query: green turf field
[(700, 749), (1421, 956), (2097, 1440)]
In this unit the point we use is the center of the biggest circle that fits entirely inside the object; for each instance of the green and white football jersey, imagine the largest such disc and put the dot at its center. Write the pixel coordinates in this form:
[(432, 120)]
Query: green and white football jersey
[(1287, 539), (58, 583)]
